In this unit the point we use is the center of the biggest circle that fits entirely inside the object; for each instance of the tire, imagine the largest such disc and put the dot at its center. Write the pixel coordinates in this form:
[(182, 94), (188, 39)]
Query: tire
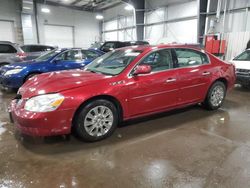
[(90, 123), (30, 76), (215, 96)]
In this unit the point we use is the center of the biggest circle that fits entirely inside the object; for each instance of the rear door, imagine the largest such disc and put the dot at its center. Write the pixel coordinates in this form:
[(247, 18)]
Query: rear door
[(157, 90), (194, 73)]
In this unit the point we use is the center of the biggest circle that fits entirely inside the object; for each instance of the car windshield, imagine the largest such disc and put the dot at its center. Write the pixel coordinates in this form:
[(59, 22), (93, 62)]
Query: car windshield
[(114, 62), (245, 56), (48, 55)]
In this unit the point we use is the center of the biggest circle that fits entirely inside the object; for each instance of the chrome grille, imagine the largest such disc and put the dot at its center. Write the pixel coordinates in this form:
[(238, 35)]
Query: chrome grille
[(243, 71)]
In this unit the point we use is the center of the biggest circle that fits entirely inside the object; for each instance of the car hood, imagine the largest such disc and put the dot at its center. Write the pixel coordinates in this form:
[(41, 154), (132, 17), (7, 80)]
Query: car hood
[(59, 81), (242, 64), (21, 64)]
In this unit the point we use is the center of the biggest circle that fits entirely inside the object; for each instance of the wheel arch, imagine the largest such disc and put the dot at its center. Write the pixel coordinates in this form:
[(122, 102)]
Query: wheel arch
[(110, 98), (4, 63), (221, 79), (30, 73)]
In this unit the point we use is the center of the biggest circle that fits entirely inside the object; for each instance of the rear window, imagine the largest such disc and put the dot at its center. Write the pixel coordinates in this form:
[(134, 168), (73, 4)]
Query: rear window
[(245, 56), (36, 48), (188, 57), (7, 49)]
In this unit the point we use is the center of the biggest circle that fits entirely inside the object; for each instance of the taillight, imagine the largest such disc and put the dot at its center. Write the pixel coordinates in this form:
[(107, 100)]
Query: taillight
[(21, 55)]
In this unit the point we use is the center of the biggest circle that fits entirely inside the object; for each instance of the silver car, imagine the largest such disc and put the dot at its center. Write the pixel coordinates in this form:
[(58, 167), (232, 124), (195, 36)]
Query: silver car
[(35, 50), (10, 53)]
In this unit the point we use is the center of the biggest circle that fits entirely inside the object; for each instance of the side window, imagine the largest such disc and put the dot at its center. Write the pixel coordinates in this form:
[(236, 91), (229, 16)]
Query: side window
[(36, 49), (72, 55), (187, 57), (6, 48), (159, 61), (89, 54), (25, 48)]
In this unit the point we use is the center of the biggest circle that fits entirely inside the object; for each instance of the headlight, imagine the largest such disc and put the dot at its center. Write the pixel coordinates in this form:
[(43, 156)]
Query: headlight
[(44, 103), (14, 71)]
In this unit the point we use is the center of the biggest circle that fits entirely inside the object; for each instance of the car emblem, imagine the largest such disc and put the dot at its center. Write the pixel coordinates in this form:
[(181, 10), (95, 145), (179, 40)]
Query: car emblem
[(117, 83)]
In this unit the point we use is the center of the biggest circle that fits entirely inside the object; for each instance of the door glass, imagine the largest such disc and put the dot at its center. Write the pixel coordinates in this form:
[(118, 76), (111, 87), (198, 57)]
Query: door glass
[(89, 54), (187, 57), (5, 48), (72, 55), (159, 61)]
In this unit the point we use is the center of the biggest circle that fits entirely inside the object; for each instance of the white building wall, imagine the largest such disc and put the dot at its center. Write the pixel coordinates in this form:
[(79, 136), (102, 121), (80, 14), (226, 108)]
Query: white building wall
[(175, 28), (86, 27), (10, 11), (158, 32), (237, 25), (117, 18)]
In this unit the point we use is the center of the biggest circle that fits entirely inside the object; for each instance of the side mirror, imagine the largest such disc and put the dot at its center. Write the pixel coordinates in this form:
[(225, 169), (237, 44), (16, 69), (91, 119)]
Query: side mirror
[(142, 69)]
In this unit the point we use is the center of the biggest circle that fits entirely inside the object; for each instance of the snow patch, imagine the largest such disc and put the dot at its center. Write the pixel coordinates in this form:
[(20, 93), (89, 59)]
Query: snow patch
[(2, 128)]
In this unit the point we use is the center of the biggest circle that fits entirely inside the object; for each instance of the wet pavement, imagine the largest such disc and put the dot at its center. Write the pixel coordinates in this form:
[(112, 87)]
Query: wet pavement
[(185, 148)]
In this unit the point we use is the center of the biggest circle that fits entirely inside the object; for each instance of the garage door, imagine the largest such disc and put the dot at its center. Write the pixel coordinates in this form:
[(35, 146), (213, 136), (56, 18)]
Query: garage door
[(61, 36), (7, 31)]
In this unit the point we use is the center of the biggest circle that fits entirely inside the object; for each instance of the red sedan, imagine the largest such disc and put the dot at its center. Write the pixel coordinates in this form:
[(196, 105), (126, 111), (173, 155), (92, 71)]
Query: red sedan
[(120, 85)]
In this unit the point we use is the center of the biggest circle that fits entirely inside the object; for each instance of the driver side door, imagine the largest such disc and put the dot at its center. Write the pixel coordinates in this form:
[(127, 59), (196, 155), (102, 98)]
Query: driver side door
[(157, 90), (71, 59)]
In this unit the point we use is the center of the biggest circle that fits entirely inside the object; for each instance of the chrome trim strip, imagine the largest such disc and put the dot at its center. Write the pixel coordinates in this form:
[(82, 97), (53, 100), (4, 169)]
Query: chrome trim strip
[(153, 94)]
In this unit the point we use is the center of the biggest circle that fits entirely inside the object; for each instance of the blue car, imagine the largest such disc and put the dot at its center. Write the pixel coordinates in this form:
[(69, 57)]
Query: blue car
[(13, 76)]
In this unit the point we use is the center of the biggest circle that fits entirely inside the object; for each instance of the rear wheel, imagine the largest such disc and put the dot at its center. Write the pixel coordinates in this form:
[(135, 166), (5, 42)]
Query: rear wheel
[(215, 96), (97, 120)]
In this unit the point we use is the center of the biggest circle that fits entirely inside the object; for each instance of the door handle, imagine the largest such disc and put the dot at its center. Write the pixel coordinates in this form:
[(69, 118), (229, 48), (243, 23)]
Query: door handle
[(170, 80), (206, 73)]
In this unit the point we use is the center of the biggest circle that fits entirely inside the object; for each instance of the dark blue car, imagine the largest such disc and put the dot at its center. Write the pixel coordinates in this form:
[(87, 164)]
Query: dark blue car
[(14, 75)]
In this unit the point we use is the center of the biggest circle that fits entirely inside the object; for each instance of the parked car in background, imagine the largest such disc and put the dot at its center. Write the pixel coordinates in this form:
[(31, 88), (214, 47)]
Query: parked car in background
[(111, 45), (123, 84), (96, 45), (14, 75), (242, 64), (10, 53), (35, 50)]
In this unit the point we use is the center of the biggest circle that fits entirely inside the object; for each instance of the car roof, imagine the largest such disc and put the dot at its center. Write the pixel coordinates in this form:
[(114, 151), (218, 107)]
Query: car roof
[(8, 42), (151, 47), (38, 45)]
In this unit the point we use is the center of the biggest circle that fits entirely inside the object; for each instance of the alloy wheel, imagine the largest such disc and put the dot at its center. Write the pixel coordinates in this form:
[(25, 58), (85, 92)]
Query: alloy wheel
[(98, 121)]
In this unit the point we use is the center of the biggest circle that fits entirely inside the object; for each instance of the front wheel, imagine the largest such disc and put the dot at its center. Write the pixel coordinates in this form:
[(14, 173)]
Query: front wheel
[(215, 96), (96, 121)]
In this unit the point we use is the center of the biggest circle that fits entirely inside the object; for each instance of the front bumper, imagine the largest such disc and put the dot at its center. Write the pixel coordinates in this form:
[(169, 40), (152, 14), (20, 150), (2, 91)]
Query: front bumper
[(11, 82), (40, 124), (243, 79)]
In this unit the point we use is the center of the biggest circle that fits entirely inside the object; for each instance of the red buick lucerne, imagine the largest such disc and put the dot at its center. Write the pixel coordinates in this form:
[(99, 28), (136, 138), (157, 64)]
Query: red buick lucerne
[(123, 84)]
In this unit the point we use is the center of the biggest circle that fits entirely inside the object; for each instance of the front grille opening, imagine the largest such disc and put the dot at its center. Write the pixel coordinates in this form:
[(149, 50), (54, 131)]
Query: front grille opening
[(18, 97)]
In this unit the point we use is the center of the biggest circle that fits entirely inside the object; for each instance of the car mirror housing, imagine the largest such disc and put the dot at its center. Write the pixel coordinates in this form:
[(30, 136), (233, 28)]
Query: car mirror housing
[(142, 69)]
